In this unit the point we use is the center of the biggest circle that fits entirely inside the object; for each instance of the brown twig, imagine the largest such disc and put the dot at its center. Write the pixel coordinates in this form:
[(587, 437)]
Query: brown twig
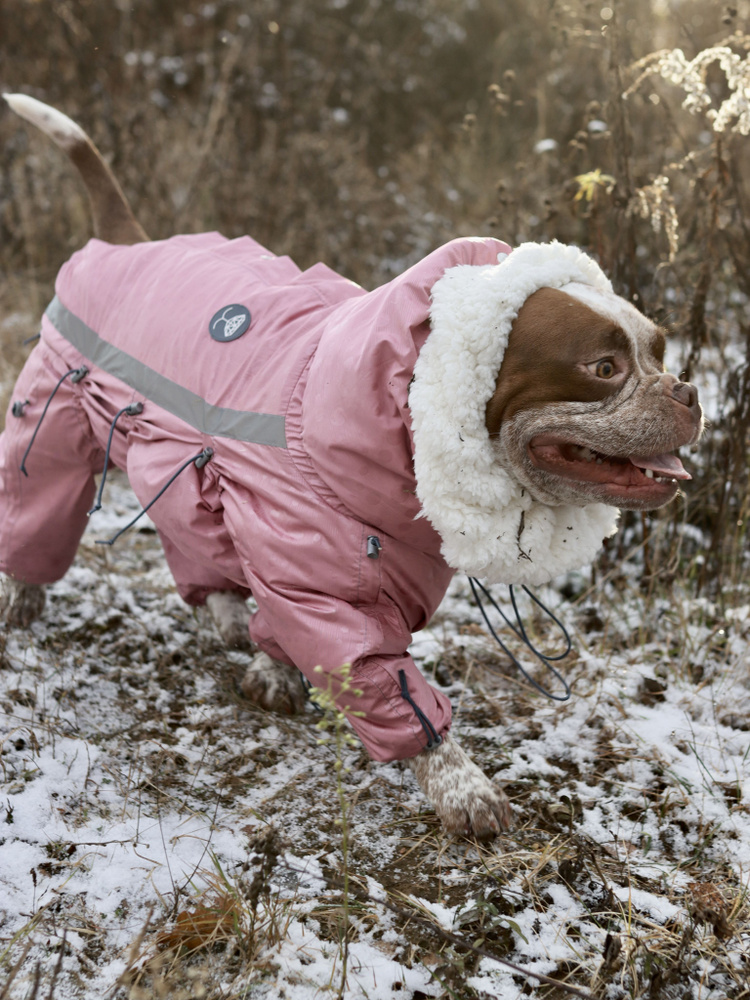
[(15, 970)]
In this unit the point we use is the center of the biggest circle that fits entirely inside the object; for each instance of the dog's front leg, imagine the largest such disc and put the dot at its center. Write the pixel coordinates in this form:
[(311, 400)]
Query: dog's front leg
[(464, 798), (273, 685), (20, 603), (268, 683)]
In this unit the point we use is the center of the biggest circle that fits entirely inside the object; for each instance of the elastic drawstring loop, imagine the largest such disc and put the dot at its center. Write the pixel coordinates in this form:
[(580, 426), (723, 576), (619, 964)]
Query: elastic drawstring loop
[(433, 737), (198, 460), (131, 410), (545, 659), (75, 375)]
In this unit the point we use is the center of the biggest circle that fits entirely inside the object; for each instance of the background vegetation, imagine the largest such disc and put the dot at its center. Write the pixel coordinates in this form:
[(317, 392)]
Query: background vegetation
[(367, 132)]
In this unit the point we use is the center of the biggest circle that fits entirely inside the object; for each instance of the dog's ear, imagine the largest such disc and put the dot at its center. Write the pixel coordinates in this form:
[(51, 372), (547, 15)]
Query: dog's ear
[(114, 221), (553, 336)]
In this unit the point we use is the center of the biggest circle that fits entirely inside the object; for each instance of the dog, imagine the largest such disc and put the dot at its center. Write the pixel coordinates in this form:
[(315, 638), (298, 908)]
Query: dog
[(336, 453)]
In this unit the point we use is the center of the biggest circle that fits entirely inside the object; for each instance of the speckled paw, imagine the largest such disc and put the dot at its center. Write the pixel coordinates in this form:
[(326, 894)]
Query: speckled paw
[(465, 800), (20, 603), (273, 685)]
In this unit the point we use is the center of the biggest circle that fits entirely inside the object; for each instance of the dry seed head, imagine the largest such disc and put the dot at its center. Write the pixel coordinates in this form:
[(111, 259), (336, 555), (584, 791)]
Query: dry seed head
[(672, 66), (655, 202), (498, 98)]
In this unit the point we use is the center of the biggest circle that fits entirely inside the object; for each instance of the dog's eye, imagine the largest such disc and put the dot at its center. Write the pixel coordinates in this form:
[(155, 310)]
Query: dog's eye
[(605, 368)]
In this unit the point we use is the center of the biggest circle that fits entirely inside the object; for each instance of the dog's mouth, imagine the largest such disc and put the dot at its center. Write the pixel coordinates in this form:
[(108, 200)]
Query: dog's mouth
[(641, 478)]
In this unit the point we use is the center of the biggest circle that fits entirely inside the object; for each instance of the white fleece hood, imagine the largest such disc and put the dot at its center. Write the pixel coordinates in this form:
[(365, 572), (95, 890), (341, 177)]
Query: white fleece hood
[(489, 525)]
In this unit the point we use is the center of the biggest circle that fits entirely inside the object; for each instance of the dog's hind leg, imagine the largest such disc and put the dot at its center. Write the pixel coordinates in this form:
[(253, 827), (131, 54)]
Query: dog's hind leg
[(47, 484), (114, 221), (20, 603), (201, 583), (231, 616)]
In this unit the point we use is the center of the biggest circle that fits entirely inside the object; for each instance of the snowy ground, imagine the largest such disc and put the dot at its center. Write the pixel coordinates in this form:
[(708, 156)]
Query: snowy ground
[(160, 837)]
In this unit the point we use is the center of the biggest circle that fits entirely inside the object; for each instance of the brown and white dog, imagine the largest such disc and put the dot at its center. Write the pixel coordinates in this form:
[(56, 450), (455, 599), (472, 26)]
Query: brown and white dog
[(582, 418)]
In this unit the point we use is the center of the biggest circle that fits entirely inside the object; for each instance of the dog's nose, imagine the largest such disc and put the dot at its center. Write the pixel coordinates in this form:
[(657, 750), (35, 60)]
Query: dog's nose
[(686, 393)]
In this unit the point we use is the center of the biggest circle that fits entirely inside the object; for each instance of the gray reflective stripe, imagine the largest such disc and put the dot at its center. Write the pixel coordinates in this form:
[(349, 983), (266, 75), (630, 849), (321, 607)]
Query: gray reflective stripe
[(240, 425)]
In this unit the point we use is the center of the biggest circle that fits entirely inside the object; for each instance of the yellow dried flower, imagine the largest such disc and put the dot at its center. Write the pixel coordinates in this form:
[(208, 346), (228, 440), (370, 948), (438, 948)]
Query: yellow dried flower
[(589, 183)]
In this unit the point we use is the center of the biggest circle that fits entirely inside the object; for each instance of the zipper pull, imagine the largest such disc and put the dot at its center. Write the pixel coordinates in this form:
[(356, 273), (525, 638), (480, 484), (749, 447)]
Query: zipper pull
[(373, 547)]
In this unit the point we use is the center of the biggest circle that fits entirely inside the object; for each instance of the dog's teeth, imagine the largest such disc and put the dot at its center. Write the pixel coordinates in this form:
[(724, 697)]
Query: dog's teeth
[(649, 474), (599, 461)]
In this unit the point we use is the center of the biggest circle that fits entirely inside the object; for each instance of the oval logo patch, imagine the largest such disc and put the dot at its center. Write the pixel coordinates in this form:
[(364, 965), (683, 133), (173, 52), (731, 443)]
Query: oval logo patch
[(229, 323)]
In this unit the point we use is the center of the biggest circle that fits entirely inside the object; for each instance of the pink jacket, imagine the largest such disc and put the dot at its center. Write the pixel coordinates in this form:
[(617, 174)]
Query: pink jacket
[(308, 499)]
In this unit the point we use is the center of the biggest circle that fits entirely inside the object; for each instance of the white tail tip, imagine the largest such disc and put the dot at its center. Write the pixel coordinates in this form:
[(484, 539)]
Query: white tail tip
[(54, 123)]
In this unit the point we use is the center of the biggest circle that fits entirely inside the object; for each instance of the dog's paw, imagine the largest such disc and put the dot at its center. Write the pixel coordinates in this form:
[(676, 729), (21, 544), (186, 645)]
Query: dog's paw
[(273, 685), (20, 603), (466, 801), (231, 616)]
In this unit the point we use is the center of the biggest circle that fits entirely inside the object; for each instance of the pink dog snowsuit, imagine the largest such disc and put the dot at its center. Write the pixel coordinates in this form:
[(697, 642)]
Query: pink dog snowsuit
[(292, 390), (308, 500)]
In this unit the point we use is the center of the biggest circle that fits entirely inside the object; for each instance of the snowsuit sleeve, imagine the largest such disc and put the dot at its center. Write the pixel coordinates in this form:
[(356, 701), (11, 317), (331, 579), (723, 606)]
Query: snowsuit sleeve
[(329, 632)]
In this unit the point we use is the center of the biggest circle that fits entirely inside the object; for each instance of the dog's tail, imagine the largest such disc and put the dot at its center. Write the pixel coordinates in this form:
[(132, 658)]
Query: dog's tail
[(114, 222)]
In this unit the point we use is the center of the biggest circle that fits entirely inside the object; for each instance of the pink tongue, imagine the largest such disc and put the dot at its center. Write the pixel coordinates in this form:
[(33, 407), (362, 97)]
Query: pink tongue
[(662, 465)]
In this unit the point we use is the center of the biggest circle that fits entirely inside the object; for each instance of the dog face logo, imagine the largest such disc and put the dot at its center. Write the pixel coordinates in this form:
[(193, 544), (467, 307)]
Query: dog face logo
[(229, 323)]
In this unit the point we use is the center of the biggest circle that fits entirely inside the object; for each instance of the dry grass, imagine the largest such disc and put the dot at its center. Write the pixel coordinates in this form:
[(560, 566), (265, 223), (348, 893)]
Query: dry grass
[(364, 135)]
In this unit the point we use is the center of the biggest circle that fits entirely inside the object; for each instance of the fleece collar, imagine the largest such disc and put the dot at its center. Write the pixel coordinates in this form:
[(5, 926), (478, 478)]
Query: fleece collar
[(489, 525)]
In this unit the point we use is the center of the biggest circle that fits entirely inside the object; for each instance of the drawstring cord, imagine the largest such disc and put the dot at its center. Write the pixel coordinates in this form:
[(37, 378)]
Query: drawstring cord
[(308, 686), (434, 739), (198, 460), (75, 375), (545, 659), (131, 410)]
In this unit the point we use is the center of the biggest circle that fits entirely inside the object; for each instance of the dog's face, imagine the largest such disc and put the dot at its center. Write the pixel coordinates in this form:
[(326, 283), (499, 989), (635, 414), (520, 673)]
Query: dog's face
[(583, 410)]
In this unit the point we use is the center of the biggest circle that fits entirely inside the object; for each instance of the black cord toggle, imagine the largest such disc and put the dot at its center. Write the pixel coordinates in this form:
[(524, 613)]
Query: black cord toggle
[(199, 460), (545, 659)]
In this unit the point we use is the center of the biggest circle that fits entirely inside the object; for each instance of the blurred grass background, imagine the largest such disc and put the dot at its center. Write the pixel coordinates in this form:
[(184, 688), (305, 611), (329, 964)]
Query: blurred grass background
[(367, 132)]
